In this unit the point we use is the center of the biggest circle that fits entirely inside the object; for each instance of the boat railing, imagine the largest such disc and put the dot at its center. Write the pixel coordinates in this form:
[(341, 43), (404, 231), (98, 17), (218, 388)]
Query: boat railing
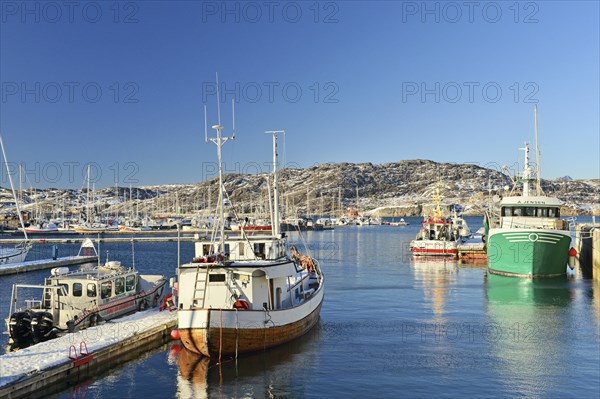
[(537, 223), (33, 303)]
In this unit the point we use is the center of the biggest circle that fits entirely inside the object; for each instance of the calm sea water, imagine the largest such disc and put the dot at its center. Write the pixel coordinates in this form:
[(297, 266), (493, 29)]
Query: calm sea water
[(390, 327)]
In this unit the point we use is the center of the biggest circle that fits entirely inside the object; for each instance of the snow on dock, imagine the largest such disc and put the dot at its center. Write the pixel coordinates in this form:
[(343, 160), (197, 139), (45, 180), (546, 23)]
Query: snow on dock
[(48, 366), (32, 265)]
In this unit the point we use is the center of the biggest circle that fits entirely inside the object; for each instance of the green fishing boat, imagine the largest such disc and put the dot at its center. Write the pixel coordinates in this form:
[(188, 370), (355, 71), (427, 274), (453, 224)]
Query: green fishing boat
[(526, 237)]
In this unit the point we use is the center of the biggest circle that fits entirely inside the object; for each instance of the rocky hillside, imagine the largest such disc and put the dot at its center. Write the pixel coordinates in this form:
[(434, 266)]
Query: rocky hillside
[(391, 189)]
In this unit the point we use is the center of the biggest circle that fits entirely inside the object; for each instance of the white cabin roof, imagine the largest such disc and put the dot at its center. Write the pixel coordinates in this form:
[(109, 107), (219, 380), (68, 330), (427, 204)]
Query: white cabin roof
[(530, 201)]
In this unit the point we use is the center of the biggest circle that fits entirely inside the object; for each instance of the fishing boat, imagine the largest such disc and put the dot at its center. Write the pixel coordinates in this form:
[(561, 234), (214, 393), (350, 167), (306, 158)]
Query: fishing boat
[(527, 237), (70, 301), (246, 293), (440, 234), (18, 252)]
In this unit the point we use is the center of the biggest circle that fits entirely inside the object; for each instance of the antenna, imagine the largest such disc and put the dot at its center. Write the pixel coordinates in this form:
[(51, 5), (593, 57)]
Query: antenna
[(537, 154), (233, 115), (275, 222), (218, 99), (205, 127)]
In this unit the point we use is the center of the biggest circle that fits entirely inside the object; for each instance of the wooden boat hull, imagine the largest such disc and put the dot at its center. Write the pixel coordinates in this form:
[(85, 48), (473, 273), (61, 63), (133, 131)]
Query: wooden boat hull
[(214, 331)]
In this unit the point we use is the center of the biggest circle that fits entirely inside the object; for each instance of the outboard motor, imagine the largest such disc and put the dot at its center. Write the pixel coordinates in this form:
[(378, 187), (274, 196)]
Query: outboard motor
[(42, 326), (20, 328)]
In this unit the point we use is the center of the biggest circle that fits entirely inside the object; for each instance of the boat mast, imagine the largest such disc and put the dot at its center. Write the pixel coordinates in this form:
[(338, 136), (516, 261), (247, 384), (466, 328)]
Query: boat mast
[(538, 173), (87, 216), (526, 171), (219, 141), (13, 189), (275, 222)]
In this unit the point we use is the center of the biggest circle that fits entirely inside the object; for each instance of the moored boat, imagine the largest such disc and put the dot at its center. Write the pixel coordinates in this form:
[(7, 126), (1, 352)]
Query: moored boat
[(247, 293), (440, 234), (73, 300), (527, 237)]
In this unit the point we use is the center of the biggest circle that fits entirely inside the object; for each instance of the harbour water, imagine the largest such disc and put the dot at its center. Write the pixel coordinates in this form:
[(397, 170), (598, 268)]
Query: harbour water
[(390, 327)]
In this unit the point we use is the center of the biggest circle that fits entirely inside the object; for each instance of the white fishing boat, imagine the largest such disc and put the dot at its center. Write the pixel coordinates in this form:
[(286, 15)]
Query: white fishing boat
[(69, 301), (246, 293)]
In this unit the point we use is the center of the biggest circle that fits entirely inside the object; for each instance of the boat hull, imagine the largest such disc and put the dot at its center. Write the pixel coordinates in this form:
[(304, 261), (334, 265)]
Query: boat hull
[(528, 252), (434, 248), (13, 256), (214, 332)]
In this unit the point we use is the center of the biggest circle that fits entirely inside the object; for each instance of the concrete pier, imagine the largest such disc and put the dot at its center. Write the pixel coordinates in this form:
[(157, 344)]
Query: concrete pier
[(57, 364), (33, 265)]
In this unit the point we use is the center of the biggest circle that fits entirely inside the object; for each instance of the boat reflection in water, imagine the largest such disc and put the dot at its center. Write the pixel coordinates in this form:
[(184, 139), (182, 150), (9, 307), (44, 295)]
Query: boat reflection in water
[(284, 371), (527, 333), (435, 274)]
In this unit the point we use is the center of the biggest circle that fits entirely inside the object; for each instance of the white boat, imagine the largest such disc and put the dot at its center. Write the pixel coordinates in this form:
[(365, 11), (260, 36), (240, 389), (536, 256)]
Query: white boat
[(246, 293), (41, 228), (15, 254), (90, 228), (69, 301)]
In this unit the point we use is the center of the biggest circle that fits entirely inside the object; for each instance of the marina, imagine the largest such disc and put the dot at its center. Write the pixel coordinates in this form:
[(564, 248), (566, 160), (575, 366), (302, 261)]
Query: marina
[(299, 200)]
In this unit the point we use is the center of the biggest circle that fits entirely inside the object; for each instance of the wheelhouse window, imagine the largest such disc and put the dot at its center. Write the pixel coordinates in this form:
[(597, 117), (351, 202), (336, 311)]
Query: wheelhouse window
[(216, 278), (77, 289), (259, 250), (531, 211), (106, 289), (242, 247), (64, 289), (91, 290), (119, 285), (130, 283)]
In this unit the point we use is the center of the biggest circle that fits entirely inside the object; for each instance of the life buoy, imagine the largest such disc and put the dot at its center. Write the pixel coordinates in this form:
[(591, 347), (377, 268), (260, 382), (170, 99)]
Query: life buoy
[(241, 304)]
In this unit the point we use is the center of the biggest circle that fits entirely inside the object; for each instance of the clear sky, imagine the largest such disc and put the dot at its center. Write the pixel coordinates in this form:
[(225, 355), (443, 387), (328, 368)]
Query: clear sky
[(123, 85)]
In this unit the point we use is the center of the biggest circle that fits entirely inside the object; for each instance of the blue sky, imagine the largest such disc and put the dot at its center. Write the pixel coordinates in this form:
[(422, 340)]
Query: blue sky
[(124, 87)]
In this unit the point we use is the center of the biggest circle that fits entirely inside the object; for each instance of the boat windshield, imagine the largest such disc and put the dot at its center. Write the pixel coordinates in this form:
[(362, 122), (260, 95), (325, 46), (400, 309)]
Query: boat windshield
[(531, 211)]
